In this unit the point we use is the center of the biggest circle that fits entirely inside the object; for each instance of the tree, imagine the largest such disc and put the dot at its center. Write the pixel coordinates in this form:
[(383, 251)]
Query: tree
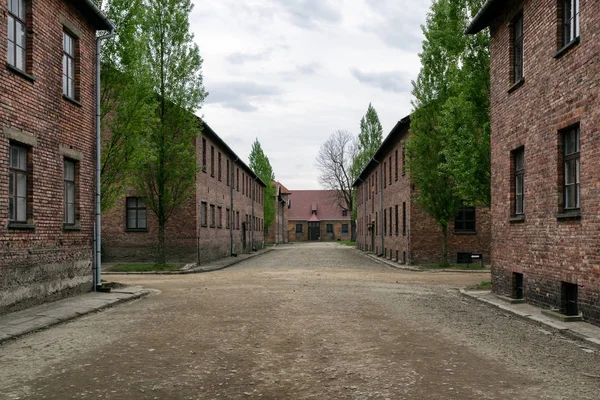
[(167, 178), (335, 163), (448, 153), (259, 163), (369, 139), (127, 102)]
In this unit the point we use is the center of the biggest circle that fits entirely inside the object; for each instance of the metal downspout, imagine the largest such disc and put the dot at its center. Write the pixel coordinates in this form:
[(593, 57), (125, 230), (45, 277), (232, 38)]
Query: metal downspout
[(98, 258), (232, 225), (253, 220)]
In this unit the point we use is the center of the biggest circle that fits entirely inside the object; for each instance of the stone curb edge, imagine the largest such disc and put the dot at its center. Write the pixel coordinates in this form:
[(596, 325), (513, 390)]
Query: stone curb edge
[(528, 317), (133, 296), (190, 271)]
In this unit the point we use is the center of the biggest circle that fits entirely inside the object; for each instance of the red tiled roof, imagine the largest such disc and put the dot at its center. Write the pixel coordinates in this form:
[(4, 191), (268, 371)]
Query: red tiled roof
[(325, 201), (284, 190)]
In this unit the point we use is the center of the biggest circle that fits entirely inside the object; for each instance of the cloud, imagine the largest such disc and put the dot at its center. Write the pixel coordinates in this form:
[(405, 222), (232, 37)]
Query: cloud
[(241, 96), (309, 13), (239, 58), (308, 69), (389, 81)]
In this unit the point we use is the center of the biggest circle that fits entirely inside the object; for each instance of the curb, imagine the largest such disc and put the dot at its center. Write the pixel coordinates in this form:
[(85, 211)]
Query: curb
[(197, 270), (536, 320), (417, 269), (58, 321)]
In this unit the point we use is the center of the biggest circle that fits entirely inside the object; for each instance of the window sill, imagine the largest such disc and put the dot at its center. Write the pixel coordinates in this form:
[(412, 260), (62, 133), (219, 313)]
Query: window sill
[(20, 73), (204, 225), (25, 226), (465, 232), (569, 214), (72, 227), (516, 85), (561, 52), (136, 230), (73, 101), (516, 219)]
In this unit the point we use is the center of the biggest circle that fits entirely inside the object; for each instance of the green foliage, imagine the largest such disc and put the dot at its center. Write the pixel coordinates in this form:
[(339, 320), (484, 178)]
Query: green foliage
[(127, 101), (448, 155), (369, 140), (166, 178), (259, 163)]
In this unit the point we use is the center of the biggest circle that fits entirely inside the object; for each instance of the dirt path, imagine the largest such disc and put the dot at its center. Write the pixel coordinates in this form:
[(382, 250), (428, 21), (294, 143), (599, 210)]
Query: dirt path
[(305, 321)]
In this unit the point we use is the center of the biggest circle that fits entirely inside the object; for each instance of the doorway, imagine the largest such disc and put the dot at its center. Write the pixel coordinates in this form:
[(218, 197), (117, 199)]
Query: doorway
[(314, 230)]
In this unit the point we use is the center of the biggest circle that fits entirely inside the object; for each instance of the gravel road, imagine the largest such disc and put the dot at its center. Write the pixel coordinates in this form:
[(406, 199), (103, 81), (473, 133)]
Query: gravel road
[(304, 321)]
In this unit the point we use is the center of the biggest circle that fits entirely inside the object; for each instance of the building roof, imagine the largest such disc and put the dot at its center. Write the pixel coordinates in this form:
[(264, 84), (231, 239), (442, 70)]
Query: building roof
[(282, 189), (324, 202), (485, 16), (207, 130), (396, 133), (93, 13)]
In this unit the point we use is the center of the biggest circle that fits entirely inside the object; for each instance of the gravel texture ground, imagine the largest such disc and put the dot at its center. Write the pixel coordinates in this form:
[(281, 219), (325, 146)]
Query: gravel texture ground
[(305, 321)]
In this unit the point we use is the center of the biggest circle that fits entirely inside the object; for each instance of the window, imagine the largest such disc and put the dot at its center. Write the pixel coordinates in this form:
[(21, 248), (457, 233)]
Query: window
[(298, 229), (219, 166), (69, 43), (17, 181), (403, 161), (212, 161), (390, 214), (227, 171), (227, 217), (384, 221), (16, 34), (385, 174), (465, 220), (344, 213), (136, 214), (519, 173), (330, 229), (390, 171), (237, 220), (376, 184), (396, 211), (203, 213), (570, 21), (376, 224), (69, 195), (344, 229), (396, 165), (203, 155), (571, 168), (517, 53), (237, 174), (219, 217), (212, 216), (404, 218)]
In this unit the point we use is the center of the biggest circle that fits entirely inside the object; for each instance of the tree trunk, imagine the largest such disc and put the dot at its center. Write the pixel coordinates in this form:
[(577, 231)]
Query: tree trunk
[(445, 244), (353, 230), (161, 244)]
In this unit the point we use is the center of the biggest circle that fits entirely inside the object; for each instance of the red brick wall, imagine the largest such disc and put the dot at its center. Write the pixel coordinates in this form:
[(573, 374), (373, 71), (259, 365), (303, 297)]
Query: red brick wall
[(46, 262), (337, 231), (557, 93), (278, 231), (422, 242)]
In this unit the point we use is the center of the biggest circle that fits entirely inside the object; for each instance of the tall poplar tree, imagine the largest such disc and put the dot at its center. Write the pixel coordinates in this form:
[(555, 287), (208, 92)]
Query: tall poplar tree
[(448, 153), (369, 139), (167, 178), (259, 163)]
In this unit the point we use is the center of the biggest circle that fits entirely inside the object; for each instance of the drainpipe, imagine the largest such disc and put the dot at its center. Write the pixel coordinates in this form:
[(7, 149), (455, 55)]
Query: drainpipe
[(253, 220), (380, 183), (98, 275), (232, 225), (365, 212)]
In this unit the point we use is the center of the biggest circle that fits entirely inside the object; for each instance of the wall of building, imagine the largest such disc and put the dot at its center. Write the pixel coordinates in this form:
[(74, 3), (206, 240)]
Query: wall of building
[(324, 237), (557, 92), (278, 231), (41, 261)]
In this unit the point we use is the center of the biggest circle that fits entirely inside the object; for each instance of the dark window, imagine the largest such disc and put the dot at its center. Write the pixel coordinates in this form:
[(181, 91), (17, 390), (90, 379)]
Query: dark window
[(397, 220), (465, 220), (227, 171), (403, 160), (203, 213), (298, 229), (385, 174), (69, 195), (212, 161), (571, 168), (136, 213), (517, 286), (237, 220), (243, 183), (17, 34), (203, 155), (390, 170), (396, 165), (17, 186), (344, 229), (464, 258), (384, 221), (330, 229), (237, 177), (404, 218), (344, 213), (519, 172), (570, 21), (376, 183), (212, 216), (219, 166), (569, 299), (69, 43), (376, 224), (390, 214), (219, 217), (227, 217), (517, 31)]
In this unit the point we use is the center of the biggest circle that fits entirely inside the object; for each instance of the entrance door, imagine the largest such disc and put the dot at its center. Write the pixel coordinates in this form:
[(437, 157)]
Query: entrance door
[(244, 236), (314, 230), (372, 229)]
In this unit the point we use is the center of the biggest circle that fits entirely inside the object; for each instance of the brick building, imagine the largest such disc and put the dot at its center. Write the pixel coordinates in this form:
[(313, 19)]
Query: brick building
[(223, 217), (390, 223), (278, 233), (47, 149), (316, 215), (545, 94)]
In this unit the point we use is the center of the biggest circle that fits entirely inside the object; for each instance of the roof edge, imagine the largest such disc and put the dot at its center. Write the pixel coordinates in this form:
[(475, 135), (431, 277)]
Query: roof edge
[(101, 21), (483, 18)]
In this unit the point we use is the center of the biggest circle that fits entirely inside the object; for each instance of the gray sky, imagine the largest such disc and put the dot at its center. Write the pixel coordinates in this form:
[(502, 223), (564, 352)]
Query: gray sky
[(291, 72)]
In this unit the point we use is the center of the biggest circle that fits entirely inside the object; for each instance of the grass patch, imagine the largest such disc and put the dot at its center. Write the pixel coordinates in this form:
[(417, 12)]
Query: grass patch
[(347, 243), (454, 266), (268, 245), (484, 285), (145, 267)]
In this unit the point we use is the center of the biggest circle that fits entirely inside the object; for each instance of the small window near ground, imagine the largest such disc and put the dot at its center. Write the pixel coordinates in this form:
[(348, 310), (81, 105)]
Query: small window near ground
[(463, 258), (136, 214)]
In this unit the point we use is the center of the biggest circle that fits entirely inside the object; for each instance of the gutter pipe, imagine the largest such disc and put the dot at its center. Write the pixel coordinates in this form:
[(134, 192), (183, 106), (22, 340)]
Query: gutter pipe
[(232, 225)]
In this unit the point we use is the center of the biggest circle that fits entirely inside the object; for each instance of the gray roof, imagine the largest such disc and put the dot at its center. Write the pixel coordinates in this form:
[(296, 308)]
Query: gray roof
[(93, 13), (485, 16)]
